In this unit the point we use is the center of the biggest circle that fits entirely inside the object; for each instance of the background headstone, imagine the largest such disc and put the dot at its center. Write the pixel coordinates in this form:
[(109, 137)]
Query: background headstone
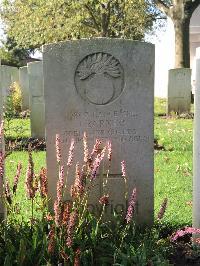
[(9, 75), (104, 87), (35, 73), (196, 146), (24, 85), (179, 90)]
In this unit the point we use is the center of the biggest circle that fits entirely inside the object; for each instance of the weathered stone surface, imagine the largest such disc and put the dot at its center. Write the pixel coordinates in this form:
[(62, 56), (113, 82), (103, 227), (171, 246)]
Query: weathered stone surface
[(196, 147), (24, 84), (36, 90), (9, 75), (1, 150), (105, 88), (179, 90)]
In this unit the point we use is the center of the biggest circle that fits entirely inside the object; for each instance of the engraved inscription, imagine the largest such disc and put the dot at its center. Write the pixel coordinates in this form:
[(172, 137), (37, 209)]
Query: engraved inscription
[(99, 78), (119, 124)]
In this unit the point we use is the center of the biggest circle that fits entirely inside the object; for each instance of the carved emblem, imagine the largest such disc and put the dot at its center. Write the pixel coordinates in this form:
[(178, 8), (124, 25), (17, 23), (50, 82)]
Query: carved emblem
[(99, 78)]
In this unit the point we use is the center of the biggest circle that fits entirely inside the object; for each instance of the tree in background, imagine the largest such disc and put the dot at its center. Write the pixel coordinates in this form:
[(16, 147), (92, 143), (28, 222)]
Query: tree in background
[(35, 22), (180, 12), (11, 55)]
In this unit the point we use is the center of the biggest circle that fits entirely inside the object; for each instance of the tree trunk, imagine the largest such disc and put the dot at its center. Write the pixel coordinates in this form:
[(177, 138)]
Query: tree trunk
[(104, 25), (180, 11), (182, 43)]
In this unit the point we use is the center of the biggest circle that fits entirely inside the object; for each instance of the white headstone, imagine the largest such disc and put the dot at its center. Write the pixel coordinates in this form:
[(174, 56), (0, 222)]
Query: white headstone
[(9, 75), (196, 146), (179, 90), (36, 90), (105, 88), (24, 85)]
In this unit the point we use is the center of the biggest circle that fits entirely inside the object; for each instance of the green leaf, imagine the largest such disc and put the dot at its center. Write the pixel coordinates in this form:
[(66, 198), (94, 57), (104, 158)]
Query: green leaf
[(8, 261), (22, 251)]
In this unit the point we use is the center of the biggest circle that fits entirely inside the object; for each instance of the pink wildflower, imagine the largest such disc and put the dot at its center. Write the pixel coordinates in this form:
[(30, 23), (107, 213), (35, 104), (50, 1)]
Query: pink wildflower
[(71, 151), (131, 207), (58, 201), (43, 183), (35, 183), (196, 240), (96, 147), (16, 178), (77, 257), (59, 191), (97, 163), (104, 200), (2, 157), (51, 238), (109, 147), (58, 149), (123, 167), (8, 193), (61, 176), (66, 213), (162, 209), (30, 189), (187, 230), (71, 227), (57, 212), (85, 145), (1, 130), (78, 188)]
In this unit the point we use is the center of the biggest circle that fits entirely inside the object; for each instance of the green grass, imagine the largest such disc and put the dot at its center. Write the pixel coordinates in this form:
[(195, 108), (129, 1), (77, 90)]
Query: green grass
[(173, 166), (11, 166), (173, 179), (160, 106), (174, 134)]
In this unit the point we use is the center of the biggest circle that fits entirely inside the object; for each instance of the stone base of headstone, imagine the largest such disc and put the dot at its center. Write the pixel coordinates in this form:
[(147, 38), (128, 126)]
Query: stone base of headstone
[(179, 91)]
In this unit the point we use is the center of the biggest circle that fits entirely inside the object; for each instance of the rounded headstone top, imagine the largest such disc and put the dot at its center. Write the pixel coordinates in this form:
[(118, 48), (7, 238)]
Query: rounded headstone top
[(97, 40)]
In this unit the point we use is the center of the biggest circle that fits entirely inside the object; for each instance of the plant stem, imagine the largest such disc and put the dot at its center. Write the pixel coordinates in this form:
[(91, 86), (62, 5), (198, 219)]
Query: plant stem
[(97, 226)]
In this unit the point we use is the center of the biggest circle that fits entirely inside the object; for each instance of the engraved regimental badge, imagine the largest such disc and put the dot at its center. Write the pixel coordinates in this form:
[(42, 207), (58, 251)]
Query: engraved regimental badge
[(99, 78)]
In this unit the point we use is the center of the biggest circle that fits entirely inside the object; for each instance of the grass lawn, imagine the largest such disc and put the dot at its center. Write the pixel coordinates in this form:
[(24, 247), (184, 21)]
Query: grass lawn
[(173, 165)]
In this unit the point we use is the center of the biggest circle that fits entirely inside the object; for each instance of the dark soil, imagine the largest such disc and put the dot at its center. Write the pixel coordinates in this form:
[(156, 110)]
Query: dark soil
[(185, 255), (177, 116), (157, 146), (22, 144)]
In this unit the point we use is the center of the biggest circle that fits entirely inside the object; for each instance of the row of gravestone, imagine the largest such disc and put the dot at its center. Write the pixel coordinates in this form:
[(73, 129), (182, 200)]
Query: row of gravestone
[(30, 79), (103, 87)]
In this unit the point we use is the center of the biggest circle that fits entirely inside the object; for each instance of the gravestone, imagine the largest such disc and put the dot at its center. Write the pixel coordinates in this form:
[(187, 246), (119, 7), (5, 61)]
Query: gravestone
[(103, 87), (1, 150), (35, 73), (24, 85), (9, 75), (196, 146), (179, 90)]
